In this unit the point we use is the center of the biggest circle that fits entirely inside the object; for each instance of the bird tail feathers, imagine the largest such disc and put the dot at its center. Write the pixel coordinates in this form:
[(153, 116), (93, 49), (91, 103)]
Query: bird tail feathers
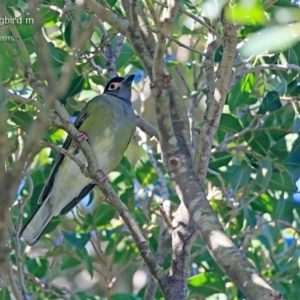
[(35, 226)]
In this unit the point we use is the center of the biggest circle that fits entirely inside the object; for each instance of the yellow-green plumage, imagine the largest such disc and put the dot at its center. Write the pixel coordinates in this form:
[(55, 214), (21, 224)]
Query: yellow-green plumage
[(109, 122)]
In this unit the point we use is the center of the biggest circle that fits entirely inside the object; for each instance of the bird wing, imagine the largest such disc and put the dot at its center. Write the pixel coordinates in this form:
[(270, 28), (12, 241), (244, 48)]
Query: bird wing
[(49, 184)]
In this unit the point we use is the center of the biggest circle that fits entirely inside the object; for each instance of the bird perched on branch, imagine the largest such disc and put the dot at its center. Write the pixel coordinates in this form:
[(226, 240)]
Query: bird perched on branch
[(108, 123)]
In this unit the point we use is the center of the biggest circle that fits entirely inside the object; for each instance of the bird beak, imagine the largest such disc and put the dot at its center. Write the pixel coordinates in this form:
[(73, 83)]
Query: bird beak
[(128, 80)]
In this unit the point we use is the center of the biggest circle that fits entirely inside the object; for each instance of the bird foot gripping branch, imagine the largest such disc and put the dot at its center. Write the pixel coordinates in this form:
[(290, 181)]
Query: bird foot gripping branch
[(103, 178), (81, 137)]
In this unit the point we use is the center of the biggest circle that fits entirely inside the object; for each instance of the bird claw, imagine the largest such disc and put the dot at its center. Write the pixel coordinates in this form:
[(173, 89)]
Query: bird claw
[(104, 178), (81, 137)]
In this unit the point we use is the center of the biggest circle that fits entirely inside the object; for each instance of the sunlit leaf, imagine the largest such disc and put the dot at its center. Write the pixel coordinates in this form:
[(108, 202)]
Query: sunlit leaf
[(246, 12), (272, 39), (207, 284)]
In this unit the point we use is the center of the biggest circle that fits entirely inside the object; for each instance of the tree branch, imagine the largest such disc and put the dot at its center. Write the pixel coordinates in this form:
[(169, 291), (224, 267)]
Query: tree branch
[(203, 23), (107, 16), (215, 106), (238, 76)]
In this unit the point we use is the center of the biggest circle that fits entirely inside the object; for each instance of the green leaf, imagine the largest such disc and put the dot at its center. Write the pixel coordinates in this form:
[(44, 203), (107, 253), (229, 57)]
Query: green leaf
[(243, 13), (219, 54), (259, 141), (58, 56), (22, 119), (77, 239), (294, 156), (219, 159), (88, 261), (111, 3), (125, 55), (26, 30), (145, 173), (282, 181), (230, 123), (264, 203), (6, 61), (207, 284), (270, 102), (264, 240), (236, 97), (22, 5), (290, 57), (68, 33), (69, 262), (52, 225), (49, 17), (264, 172), (4, 293), (279, 124), (280, 150), (296, 127), (37, 266), (104, 214), (240, 176), (123, 296), (75, 87), (126, 169), (281, 86), (293, 89), (98, 80), (263, 41)]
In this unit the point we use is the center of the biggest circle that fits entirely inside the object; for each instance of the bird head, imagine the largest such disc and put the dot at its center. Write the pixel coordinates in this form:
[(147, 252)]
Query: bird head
[(120, 87)]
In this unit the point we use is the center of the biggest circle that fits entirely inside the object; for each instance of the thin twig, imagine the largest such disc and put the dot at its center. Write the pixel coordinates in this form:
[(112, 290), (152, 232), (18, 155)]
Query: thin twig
[(203, 23), (12, 281), (261, 67), (222, 183), (147, 127), (23, 100), (180, 44), (235, 212)]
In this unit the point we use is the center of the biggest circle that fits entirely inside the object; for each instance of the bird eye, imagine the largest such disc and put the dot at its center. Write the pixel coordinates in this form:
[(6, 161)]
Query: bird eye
[(114, 86)]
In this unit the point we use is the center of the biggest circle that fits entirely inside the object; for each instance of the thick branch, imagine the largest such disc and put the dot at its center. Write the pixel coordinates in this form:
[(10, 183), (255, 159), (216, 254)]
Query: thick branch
[(215, 108), (107, 16)]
